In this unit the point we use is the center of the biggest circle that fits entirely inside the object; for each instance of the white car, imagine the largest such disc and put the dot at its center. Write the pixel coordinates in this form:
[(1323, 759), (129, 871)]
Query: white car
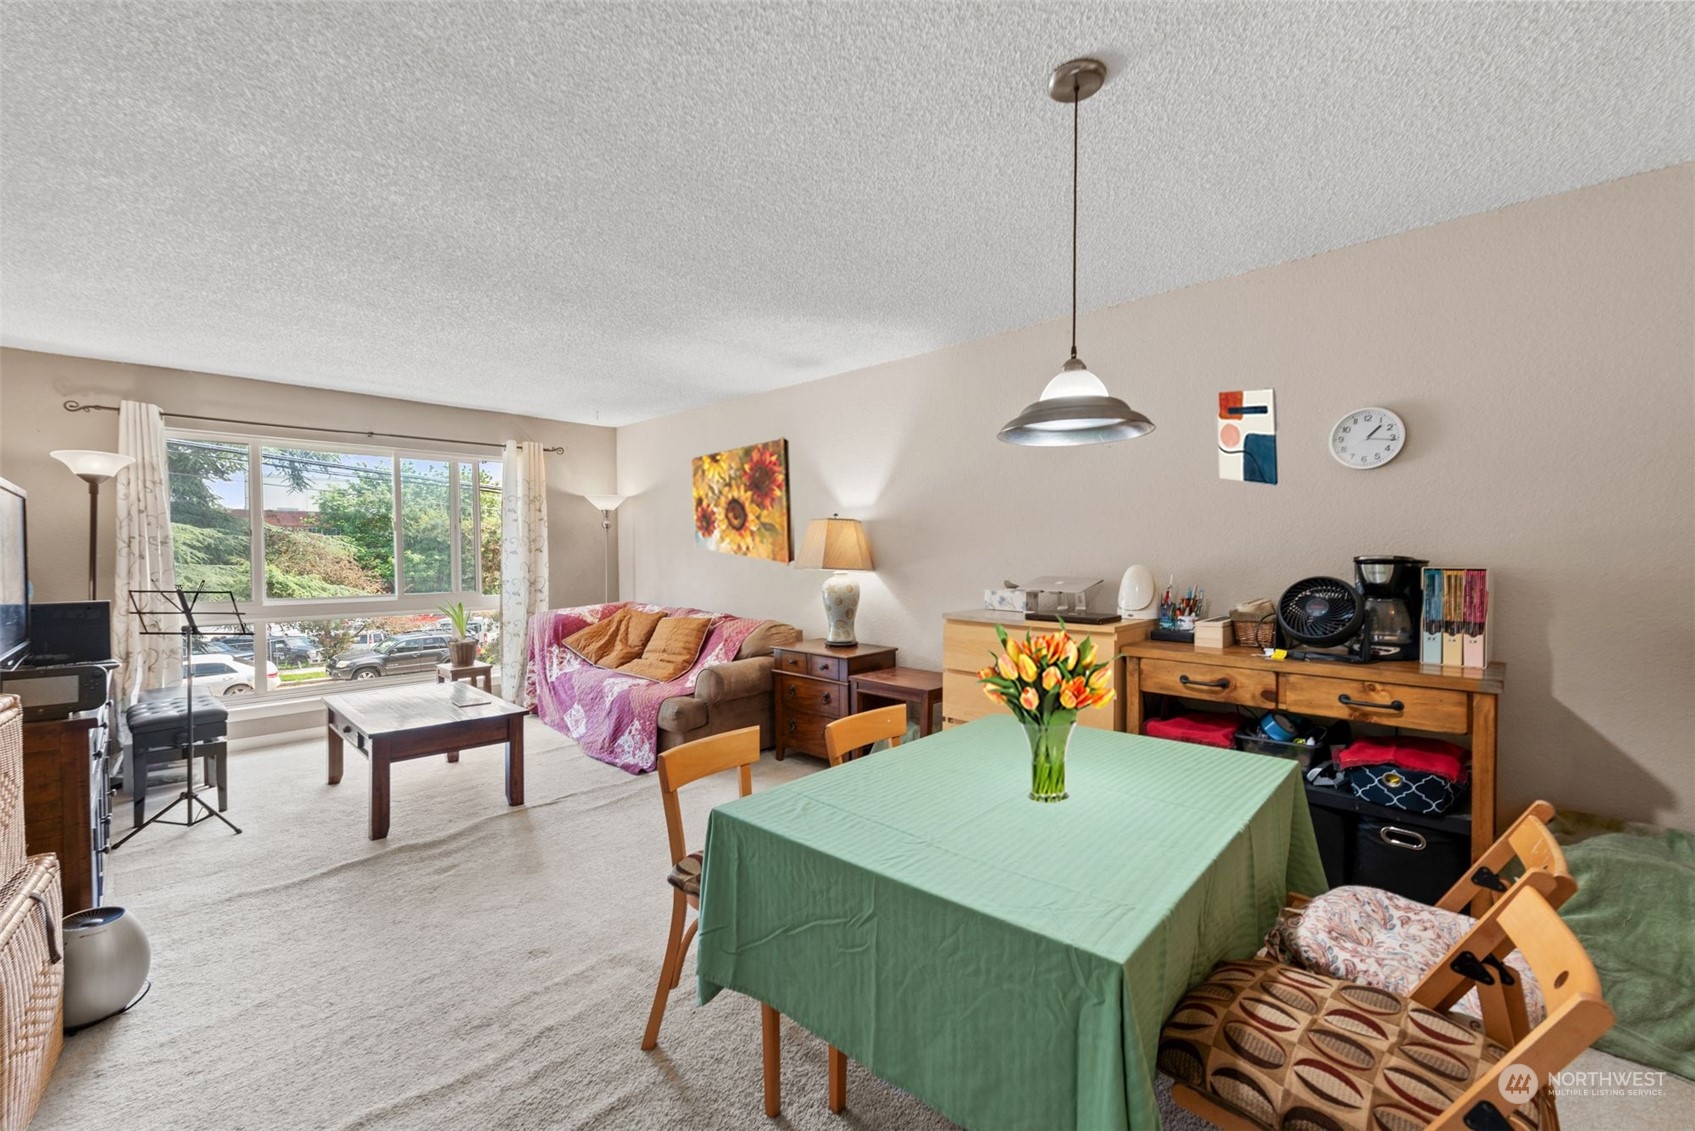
[(227, 676)]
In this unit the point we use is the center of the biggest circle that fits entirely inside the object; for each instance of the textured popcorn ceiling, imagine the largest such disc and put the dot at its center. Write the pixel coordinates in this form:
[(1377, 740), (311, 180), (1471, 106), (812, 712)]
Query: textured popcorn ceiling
[(605, 212)]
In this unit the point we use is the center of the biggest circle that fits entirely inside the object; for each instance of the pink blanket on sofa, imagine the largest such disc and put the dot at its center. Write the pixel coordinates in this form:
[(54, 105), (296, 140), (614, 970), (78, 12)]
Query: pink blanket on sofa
[(613, 716)]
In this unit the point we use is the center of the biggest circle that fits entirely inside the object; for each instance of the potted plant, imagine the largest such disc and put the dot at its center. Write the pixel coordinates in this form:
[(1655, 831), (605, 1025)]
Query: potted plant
[(463, 648)]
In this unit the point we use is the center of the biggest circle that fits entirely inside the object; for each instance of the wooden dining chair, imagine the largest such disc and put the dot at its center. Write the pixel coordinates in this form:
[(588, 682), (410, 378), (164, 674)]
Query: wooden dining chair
[(1259, 1044), (1382, 939), (846, 735), (738, 750)]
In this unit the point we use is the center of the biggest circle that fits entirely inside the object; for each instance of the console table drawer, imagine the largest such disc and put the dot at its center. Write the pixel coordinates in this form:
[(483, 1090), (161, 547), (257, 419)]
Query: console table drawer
[(1393, 704), (1211, 681), (813, 696)]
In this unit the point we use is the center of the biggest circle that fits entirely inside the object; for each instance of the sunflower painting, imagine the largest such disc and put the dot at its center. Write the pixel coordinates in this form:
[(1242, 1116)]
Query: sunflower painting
[(741, 501)]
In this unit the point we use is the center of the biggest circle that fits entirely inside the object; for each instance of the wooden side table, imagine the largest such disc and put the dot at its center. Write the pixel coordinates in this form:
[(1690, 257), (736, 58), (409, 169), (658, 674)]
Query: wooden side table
[(811, 689), (921, 688), (474, 673)]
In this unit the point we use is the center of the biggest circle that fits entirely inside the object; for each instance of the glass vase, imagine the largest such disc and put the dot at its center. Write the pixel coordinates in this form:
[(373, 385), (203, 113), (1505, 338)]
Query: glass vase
[(1048, 740)]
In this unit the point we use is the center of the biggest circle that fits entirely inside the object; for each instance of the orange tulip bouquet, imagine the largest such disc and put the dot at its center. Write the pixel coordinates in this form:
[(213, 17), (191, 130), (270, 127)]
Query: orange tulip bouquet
[(1045, 680)]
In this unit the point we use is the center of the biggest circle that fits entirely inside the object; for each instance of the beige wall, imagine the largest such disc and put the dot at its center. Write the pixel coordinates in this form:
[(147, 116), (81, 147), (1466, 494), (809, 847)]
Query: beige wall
[(33, 387), (1543, 357)]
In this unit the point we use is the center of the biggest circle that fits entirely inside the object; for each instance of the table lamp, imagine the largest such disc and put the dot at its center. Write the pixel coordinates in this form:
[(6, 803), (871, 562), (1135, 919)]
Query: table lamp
[(838, 544), (606, 504), (93, 468)]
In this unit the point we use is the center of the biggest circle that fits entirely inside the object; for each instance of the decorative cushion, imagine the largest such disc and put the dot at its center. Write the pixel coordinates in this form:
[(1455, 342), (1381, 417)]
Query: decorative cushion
[(617, 640), (1288, 1048), (1378, 938), (685, 874), (672, 650), (771, 634)]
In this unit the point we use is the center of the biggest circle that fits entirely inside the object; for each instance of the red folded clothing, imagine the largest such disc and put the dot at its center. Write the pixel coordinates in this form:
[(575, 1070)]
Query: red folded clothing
[(1207, 730), (1426, 755)]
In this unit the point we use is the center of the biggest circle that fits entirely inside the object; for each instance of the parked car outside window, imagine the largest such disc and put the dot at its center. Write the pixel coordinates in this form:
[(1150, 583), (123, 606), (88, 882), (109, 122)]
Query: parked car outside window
[(228, 676), (398, 655)]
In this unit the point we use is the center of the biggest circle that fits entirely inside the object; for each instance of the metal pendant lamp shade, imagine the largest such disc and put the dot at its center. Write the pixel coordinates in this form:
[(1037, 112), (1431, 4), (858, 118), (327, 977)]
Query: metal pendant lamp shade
[(1075, 407)]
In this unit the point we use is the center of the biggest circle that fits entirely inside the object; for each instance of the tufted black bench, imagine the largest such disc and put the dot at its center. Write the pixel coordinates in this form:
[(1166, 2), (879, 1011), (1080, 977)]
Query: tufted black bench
[(158, 727)]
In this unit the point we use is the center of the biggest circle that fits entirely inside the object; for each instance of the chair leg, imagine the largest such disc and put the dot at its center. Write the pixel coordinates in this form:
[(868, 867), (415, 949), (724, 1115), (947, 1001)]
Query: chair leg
[(668, 971), (682, 952), (770, 1040), (223, 761), (838, 1079)]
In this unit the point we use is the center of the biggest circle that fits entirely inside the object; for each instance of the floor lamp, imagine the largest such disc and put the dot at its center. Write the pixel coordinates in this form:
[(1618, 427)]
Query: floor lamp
[(93, 468), (606, 504)]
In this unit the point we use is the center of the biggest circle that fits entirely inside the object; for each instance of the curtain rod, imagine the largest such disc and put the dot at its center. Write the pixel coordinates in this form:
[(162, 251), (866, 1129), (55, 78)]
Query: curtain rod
[(73, 406)]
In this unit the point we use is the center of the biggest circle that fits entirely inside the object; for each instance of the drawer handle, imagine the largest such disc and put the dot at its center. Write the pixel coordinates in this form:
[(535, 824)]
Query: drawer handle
[(826, 697), (1349, 701), (1396, 837), (791, 726), (791, 691), (1221, 684)]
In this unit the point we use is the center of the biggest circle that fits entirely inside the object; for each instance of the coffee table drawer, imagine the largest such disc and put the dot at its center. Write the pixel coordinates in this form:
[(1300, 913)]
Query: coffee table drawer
[(1394, 704), (814, 696), (1211, 681)]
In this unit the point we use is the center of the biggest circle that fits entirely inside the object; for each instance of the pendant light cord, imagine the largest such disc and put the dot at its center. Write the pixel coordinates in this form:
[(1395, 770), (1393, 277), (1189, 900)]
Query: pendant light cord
[(1076, 105)]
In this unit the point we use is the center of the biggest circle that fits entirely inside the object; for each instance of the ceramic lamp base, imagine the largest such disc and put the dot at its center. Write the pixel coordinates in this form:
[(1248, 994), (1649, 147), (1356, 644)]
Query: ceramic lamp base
[(841, 604)]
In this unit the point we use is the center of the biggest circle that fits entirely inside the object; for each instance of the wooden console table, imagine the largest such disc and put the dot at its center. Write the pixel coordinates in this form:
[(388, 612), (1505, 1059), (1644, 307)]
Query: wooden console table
[(969, 637), (1442, 701)]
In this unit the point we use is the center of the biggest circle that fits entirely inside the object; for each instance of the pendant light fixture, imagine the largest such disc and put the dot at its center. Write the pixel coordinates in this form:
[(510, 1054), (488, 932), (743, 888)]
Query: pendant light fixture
[(1075, 408)]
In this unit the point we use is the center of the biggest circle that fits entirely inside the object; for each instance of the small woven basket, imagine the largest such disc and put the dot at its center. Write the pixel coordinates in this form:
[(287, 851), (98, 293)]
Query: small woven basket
[(1255, 632)]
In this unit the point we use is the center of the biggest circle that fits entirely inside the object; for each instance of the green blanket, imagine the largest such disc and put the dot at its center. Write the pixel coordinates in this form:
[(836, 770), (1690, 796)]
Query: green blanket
[(1633, 911)]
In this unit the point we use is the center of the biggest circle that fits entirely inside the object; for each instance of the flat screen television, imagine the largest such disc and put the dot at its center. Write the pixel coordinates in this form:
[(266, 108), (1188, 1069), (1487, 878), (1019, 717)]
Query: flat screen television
[(14, 577)]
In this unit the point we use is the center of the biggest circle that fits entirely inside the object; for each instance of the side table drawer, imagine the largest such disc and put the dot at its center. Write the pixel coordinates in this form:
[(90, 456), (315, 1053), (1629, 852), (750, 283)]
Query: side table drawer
[(790, 661), (814, 696), (802, 732), (1392, 704), (1211, 681)]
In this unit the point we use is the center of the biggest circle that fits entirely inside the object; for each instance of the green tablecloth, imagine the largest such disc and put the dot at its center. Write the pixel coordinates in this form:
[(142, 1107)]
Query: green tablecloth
[(1008, 962)]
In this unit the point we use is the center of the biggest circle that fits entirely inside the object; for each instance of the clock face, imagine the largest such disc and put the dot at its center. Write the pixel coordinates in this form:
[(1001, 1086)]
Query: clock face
[(1367, 438)]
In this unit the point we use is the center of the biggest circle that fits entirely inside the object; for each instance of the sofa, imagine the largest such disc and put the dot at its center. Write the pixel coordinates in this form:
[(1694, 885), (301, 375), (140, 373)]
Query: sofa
[(587, 678), (731, 695)]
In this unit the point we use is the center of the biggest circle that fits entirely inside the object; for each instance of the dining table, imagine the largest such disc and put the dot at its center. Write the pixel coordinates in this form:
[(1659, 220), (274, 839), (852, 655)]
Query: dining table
[(1008, 962)]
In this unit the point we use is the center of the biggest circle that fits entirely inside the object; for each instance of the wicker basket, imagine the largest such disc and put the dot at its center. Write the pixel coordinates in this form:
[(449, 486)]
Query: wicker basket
[(32, 982), (1255, 632)]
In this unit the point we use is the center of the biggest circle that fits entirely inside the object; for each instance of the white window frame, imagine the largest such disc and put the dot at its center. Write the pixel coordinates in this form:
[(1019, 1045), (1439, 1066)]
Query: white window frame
[(262, 611)]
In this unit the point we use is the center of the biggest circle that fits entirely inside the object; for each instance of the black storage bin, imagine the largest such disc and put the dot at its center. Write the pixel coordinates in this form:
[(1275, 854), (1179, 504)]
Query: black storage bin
[(1412, 859), (1334, 830)]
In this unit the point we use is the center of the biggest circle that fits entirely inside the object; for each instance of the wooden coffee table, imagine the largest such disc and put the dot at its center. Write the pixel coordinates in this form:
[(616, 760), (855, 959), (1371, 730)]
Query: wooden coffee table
[(392, 724)]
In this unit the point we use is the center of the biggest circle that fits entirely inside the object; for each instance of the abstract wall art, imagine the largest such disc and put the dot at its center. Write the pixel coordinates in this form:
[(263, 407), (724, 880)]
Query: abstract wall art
[(741, 501), (1247, 436)]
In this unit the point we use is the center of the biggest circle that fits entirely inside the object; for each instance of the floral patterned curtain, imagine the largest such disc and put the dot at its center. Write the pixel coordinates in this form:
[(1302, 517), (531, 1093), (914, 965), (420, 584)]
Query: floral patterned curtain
[(144, 551), (523, 558)]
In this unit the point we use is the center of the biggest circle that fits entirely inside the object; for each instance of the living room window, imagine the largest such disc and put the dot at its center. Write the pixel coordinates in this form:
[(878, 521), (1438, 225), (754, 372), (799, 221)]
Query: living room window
[(339, 554)]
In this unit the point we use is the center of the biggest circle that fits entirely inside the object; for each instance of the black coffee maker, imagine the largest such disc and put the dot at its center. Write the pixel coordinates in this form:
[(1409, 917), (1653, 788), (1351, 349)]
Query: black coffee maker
[(1392, 587)]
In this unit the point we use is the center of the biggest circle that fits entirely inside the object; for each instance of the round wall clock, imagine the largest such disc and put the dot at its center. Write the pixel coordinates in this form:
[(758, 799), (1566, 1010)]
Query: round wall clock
[(1367, 438)]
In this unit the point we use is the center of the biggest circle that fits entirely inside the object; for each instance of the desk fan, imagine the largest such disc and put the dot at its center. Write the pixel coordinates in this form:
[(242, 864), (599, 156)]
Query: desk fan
[(1322, 612)]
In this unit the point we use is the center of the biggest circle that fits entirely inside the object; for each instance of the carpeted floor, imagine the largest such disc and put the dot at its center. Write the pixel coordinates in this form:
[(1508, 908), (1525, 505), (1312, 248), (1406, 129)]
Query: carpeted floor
[(484, 967)]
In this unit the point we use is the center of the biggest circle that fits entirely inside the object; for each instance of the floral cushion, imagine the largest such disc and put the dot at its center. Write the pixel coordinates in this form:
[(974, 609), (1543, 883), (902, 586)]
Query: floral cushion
[(685, 874), (1378, 938), (1289, 1048)]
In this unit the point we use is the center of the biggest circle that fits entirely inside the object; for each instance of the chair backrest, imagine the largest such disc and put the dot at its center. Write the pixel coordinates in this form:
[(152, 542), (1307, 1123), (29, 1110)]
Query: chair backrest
[(680, 765), (1530, 843), (1524, 920), (844, 736)]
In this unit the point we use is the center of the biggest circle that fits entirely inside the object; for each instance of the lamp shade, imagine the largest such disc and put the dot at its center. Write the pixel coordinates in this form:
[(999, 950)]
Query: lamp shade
[(1075, 409), (605, 502), (92, 465), (834, 543)]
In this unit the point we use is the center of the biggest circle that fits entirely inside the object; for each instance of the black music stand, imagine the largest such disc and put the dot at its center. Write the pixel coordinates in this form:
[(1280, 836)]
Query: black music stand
[(168, 605)]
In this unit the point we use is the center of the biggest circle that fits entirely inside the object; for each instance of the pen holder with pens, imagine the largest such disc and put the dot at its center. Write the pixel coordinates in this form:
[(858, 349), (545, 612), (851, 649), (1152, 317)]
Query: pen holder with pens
[(1180, 611)]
